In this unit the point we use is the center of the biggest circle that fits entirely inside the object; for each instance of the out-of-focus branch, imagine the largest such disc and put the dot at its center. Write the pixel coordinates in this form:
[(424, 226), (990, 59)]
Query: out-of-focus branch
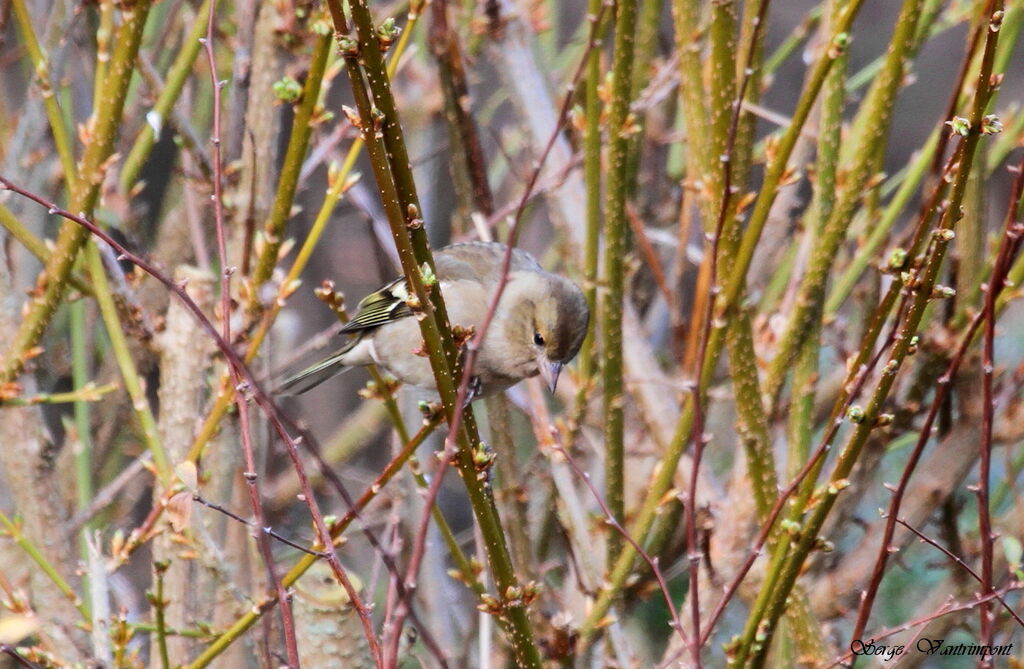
[(102, 129)]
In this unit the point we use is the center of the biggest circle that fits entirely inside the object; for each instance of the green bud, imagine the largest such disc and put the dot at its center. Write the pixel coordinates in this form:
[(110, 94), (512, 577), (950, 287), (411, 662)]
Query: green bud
[(991, 125), (959, 125), (897, 259), (429, 278), (387, 33), (287, 89)]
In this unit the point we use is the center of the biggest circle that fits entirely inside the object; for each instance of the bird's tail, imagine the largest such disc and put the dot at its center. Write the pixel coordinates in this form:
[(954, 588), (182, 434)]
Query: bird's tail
[(312, 376)]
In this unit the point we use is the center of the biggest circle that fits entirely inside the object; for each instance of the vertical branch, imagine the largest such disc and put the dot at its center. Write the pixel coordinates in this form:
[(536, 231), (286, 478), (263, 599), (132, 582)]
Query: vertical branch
[(616, 227), (469, 170), (79, 377), (699, 156), (159, 605), (241, 402), (298, 143), (40, 64), (381, 130), (132, 383), (918, 287), (800, 424), (986, 536), (177, 75), (733, 289), (185, 365), (648, 24), (592, 171), (741, 345)]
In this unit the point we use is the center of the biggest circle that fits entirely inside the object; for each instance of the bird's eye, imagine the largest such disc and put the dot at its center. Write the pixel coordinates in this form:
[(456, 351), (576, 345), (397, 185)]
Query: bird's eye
[(538, 339)]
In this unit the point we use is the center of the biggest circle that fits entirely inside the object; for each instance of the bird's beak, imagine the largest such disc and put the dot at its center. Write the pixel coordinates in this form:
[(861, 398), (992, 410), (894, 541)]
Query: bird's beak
[(549, 371)]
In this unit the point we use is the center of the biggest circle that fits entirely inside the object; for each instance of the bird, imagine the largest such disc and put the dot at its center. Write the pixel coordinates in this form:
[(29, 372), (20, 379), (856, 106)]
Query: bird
[(538, 326)]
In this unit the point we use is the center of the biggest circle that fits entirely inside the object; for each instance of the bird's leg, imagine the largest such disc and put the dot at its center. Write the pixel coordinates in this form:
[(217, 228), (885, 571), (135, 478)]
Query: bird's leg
[(474, 391)]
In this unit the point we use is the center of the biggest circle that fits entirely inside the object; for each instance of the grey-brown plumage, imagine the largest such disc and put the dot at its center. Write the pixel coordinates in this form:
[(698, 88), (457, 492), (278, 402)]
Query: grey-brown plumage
[(538, 326)]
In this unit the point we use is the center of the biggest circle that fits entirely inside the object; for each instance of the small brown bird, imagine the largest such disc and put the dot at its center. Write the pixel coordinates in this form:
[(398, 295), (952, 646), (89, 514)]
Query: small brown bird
[(538, 327)]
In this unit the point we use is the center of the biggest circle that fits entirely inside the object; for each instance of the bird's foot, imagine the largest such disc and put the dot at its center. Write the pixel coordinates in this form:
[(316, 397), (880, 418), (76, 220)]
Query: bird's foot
[(474, 391)]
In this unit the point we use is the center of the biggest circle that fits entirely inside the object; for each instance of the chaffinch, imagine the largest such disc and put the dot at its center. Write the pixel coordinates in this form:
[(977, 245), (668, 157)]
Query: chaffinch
[(538, 327)]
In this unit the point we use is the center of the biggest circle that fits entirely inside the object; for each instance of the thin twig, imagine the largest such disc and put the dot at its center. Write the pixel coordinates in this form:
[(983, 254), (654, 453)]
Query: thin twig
[(107, 494), (996, 285), (245, 427), (944, 611), (960, 563), (12, 652), (269, 531), (697, 435), (611, 520)]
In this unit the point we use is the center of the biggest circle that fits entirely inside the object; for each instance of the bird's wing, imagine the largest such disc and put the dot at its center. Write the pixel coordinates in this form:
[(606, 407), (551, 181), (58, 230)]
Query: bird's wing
[(312, 376), (388, 304), (382, 306)]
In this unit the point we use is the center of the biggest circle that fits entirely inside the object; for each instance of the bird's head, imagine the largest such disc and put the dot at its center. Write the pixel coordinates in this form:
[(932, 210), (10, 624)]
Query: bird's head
[(547, 323)]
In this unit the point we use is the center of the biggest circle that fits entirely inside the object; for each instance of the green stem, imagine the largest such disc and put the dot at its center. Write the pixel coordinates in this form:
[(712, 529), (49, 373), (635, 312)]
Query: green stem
[(103, 34), (161, 111), (648, 24), (132, 383), (61, 137), (90, 392), (868, 251), (381, 129), (928, 28), (34, 245), (83, 442), (616, 228), (877, 112), (721, 96), (792, 42), (159, 608), (298, 143), (800, 427), (666, 470), (34, 553), (763, 619), (686, 14), (592, 180)]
